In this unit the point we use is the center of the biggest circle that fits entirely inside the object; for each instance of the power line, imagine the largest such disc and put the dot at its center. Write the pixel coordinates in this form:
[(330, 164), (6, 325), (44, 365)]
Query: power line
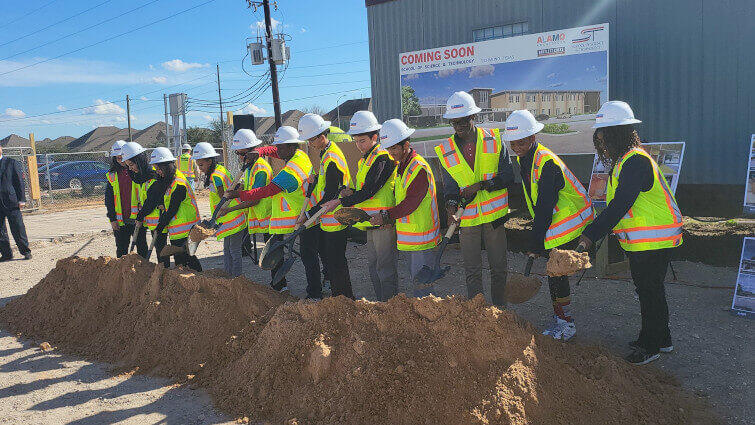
[(109, 38), (27, 14), (55, 23), (331, 47)]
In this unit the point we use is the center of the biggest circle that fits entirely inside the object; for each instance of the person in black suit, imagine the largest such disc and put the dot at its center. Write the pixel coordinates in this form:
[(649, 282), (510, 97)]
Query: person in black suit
[(12, 199)]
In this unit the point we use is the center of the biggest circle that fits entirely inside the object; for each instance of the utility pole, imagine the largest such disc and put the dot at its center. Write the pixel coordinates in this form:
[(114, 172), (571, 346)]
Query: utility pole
[(273, 69), (167, 135), (183, 113), (222, 126), (128, 117)]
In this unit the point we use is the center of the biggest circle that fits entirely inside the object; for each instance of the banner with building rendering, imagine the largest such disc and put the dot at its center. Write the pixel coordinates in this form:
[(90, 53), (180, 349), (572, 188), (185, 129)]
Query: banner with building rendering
[(560, 76)]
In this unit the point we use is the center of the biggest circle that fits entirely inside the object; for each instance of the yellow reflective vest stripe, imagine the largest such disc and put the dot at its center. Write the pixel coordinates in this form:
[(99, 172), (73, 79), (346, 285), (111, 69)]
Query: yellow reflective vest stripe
[(186, 165), (285, 206), (384, 198), (258, 216), (151, 219), (188, 212), (332, 155), (573, 210), (654, 220), (486, 206), (234, 221), (420, 230), (133, 209)]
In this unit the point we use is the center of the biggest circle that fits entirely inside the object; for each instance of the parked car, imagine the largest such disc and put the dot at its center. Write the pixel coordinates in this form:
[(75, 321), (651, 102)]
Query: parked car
[(75, 175)]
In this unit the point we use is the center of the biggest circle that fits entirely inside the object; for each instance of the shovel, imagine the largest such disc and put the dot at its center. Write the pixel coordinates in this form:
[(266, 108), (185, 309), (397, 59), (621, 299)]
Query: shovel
[(428, 275), (350, 216), (212, 223), (522, 287), (137, 228), (289, 242)]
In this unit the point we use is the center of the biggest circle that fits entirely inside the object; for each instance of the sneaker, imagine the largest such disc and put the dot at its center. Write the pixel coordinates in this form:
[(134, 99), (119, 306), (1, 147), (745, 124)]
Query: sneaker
[(326, 287), (5, 258), (561, 329), (283, 289), (665, 349), (27, 256), (641, 356)]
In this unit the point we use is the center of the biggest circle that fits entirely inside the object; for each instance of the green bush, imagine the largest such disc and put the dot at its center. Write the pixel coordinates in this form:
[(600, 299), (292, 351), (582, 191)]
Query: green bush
[(556, 128)]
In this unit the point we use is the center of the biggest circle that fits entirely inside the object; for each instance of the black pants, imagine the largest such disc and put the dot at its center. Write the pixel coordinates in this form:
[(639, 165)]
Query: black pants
[(330, 247), (184, 259), (17, 228), (162, 240), (123, 239), (648, 273), (559, 285)]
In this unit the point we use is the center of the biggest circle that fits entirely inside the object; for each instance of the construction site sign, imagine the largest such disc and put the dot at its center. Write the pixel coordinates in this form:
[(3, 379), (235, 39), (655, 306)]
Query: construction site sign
[(744, 294), (749, 206), (560, 76)]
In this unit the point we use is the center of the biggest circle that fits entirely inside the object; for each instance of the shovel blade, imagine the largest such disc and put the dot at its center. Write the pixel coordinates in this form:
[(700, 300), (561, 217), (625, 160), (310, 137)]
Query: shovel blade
[(282, 271), (427, 275), (170, 250), (271, 256)]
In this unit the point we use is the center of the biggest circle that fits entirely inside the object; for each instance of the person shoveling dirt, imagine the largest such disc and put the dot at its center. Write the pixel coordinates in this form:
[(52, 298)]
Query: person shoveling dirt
[(566, 262)]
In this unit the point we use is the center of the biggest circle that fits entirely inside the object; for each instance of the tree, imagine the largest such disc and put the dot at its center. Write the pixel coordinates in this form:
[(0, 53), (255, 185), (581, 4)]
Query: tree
[(314, 109), (203, 134), (409, 102)]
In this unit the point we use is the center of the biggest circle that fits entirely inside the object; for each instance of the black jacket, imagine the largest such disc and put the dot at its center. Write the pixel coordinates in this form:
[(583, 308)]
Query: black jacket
[(12, 189)]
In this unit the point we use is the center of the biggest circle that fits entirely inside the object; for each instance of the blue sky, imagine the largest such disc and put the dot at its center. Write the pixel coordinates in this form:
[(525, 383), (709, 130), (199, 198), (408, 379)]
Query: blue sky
[(74, 92), (574, 72)]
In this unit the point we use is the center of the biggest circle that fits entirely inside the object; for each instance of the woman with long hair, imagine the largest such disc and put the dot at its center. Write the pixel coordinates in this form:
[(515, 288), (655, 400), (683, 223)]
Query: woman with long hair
[(645, 218), (180, 206), (121, 200)]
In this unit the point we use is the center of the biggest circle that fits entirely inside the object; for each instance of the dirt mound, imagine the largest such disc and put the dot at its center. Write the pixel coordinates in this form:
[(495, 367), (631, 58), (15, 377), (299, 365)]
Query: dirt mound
[(565, 262), (520, 288), (338, 361)]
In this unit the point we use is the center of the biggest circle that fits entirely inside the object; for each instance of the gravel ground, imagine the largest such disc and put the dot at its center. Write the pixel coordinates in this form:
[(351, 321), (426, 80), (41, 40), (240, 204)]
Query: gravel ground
[(713, 355)]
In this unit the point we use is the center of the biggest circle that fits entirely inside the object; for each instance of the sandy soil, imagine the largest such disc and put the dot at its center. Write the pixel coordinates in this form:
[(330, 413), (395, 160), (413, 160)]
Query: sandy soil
[(713, 355)]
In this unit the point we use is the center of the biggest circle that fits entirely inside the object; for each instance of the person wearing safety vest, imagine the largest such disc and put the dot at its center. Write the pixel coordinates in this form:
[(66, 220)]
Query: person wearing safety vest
[(643, 215), (285, 190), (372, 191), (187, 165), (416, 212), (121, 200), (558, 204), (180, 212), (233, 224), (477, 171), (328, 240)]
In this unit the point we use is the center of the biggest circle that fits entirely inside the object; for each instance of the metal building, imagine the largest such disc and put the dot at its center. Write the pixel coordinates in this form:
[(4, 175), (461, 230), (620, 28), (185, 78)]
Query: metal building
[(687, 67)]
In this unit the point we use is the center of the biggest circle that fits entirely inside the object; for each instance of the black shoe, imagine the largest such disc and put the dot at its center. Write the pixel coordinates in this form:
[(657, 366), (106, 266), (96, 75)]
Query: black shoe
[(5, 258), (27, 256), (280, 285), (666, 348), (640, 356)]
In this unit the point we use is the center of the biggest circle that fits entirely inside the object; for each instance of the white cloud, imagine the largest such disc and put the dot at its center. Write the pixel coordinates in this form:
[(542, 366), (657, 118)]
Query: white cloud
[(591, 68), (104, 108), (151, 67), (445, 73), (251, 109), (177, 65), (303, 29), (14, 113), (61, 108), (551, 75), (481, 71), (409, 77), (260, 25), (143, 98), (555, 85), (159, 80), (207, 117)]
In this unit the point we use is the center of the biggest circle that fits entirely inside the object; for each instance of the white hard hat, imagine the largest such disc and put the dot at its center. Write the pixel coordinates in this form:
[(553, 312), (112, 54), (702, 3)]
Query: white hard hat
[(115, 150), (245, 139), (521, 124), (311, 125), (161, 154), (615, 112), (363, 122), (286, 134), (394, 131), (203, 150), (459, 105), (186, 147), (131, 149)]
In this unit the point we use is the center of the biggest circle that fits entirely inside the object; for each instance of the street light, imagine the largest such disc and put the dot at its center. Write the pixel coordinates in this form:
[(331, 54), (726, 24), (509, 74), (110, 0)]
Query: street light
[(338, 108)]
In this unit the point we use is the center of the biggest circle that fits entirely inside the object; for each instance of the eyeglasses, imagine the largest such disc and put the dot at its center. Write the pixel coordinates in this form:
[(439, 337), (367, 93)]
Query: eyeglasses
[(461, 122), (241, 153)]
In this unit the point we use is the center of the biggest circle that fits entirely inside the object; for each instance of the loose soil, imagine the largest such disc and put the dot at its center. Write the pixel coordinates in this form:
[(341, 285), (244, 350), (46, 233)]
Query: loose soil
[(521, 288), (564, 262), (338, 361)]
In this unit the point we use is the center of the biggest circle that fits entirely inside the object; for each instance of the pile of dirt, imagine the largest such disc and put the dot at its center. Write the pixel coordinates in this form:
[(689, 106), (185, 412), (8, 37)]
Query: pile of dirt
[(564, 262), (339, 361), (521, 288)]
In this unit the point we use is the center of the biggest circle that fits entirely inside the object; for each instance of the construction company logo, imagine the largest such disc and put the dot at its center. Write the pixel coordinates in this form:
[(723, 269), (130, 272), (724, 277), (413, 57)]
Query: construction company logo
[(587, 34), (586, 40), (512, 128), (551, 39), (551, 51), (457, 106)]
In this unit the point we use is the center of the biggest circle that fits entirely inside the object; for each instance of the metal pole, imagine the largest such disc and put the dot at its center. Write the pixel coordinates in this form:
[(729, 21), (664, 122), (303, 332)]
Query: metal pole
[(128, 116), (185, 138), (222, 126), (273, 69), (47, 175), (167, 135)]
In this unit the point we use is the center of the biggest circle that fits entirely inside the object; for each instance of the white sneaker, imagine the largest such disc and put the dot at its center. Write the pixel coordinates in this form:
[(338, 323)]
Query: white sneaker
[(561, 329), (326, 287)]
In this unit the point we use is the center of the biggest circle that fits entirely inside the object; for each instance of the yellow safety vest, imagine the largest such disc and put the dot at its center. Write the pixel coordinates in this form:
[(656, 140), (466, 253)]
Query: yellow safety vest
[(133, 209), (420, 230), (186, 165), (286, 207), (486, 206), (151, 219), (384, 198), (573, 210), (188, 212), (332, 155), (654, 221), (234, 221), (258, 216)]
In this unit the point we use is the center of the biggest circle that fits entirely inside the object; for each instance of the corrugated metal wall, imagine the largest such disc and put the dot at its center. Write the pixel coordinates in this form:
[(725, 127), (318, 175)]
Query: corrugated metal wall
[(687, 67)]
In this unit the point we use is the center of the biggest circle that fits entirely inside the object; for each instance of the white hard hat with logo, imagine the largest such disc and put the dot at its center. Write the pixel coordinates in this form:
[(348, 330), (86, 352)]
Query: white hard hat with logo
[(521, 124), (245, 139), (393, 132), (311, 125), (286, 134), (186, 147), (161, 154), (615, 112), (363, 122), (204, 150), (131, 149), (115, 150), (459, 105)]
